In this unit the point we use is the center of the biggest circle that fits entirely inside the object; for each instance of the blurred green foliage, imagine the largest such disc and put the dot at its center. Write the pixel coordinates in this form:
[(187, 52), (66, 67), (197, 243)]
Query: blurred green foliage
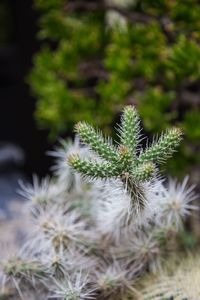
[(92, 63)]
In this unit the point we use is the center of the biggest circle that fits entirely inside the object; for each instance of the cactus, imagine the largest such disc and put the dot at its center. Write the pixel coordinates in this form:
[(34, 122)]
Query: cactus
[(102, 221), (124, 161), (182, 283)]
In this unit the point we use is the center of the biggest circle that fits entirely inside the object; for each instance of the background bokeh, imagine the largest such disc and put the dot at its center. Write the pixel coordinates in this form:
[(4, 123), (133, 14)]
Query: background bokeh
[(22, 145), (17, 45), (97, 56)]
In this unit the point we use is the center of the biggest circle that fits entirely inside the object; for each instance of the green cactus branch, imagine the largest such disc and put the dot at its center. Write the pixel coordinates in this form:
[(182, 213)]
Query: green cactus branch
[(123, 162), (129, 130), (159, 151), (98, 144), (93, 169)]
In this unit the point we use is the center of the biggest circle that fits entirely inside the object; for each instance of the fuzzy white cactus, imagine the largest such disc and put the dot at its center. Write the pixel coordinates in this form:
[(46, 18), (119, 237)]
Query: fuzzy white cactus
[(93, 238)]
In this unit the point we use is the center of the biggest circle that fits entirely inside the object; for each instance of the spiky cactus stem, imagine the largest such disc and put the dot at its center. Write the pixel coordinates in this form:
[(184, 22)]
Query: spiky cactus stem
[(124, 162)]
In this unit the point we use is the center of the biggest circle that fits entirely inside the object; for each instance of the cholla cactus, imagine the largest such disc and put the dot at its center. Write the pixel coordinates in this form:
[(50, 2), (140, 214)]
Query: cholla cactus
[(66, 178), (182, 284), (176, 204), (94, 239), (21, 274), (124, 162), (73, 289)]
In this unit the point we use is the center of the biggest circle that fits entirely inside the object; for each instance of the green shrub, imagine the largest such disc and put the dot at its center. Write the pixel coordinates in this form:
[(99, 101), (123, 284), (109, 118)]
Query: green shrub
[(98, 56)]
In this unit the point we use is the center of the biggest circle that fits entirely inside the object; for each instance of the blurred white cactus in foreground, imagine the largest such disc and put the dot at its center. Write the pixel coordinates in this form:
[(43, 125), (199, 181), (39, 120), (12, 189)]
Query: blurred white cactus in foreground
[(93, 236), (181, 283)]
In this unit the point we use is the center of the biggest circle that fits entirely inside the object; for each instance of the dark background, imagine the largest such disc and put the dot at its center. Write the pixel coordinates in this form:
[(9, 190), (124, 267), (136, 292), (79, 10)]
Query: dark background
[(18, 22)]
